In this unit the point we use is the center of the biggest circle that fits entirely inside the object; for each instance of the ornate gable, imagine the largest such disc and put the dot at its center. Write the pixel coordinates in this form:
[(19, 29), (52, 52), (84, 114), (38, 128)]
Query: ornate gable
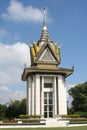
[(48, 53), (47, 56)]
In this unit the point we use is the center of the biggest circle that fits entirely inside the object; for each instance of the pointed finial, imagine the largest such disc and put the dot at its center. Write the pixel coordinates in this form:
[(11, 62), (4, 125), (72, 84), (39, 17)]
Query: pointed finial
[(44, 19), (44, 35)]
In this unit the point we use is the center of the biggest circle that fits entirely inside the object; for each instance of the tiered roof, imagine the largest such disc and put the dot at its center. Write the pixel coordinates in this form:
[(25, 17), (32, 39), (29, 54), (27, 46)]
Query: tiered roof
[(45, 56), (36, 48)]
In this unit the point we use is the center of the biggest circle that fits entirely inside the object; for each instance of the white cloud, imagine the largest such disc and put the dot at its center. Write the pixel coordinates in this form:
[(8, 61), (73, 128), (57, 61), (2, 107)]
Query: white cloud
[(12, 60), (16, 54), (6, 95), (4, 88), (16, 11)]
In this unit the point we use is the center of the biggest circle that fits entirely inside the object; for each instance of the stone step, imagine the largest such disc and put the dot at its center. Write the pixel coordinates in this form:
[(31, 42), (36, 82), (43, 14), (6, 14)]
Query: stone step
[(56, 123)]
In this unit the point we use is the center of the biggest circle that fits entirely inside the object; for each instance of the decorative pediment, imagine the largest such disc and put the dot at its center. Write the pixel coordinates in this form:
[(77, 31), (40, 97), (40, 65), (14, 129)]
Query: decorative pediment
[(47, 53), (47, 56)]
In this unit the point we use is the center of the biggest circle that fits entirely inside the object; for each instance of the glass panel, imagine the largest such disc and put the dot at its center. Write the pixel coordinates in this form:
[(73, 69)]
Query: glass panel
[(45, 94), (45, 101), (50, 101), (45, 114), (50, 108), (47, 85), (50, 114), (45, 108), (50, 95)]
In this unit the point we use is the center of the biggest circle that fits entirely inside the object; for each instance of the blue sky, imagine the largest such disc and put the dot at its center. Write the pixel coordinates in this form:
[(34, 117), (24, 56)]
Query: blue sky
[(21, 23)]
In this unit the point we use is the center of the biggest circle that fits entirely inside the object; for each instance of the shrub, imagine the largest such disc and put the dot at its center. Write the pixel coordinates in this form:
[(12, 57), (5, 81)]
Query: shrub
[(76, 115), (5, 120), (29, 116), (23, 116), (35, 116), (82, 114)]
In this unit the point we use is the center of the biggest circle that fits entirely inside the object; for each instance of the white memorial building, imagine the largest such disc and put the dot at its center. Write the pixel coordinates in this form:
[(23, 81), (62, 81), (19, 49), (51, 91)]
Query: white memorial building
[(46, 88)]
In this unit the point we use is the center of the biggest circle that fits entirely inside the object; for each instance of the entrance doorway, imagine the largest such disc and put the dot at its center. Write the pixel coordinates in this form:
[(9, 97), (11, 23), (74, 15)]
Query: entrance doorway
[(48, 104)]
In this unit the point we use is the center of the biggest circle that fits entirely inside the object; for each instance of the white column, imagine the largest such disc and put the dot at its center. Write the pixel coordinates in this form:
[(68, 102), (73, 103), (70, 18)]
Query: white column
[(55, 98), (62, 96), (33, 95), (27, 99), (57, 95), (42, 98), (37, 95), (29, 82)]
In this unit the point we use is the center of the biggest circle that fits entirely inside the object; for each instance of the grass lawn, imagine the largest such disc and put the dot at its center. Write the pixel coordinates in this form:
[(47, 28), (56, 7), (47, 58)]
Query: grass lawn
[(65, 128)]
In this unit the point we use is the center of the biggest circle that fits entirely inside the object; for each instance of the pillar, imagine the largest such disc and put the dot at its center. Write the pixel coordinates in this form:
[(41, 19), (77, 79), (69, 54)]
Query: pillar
[(29, 83), (55, 97), (62, 96), (37, 95)]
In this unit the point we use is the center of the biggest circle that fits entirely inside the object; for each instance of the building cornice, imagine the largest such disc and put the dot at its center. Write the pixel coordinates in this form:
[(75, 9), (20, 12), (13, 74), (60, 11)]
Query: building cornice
[(46, 70)]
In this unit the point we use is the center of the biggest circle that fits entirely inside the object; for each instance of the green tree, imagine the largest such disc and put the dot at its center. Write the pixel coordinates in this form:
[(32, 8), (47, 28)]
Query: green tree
[(15, 108), (23, 106), (2, 111), (79, 95)]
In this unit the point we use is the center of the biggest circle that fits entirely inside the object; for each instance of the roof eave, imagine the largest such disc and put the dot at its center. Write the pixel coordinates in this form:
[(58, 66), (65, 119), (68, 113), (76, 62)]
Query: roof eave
[(27, 71)]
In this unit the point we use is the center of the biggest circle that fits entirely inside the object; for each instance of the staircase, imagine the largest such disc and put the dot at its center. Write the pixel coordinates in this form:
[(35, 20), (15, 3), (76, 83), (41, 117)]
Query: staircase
[(55, 122)]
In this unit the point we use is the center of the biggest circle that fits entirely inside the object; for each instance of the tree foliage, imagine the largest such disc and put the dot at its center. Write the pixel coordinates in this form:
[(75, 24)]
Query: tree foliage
[(79, 95), (13, 109), (2, 111)]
